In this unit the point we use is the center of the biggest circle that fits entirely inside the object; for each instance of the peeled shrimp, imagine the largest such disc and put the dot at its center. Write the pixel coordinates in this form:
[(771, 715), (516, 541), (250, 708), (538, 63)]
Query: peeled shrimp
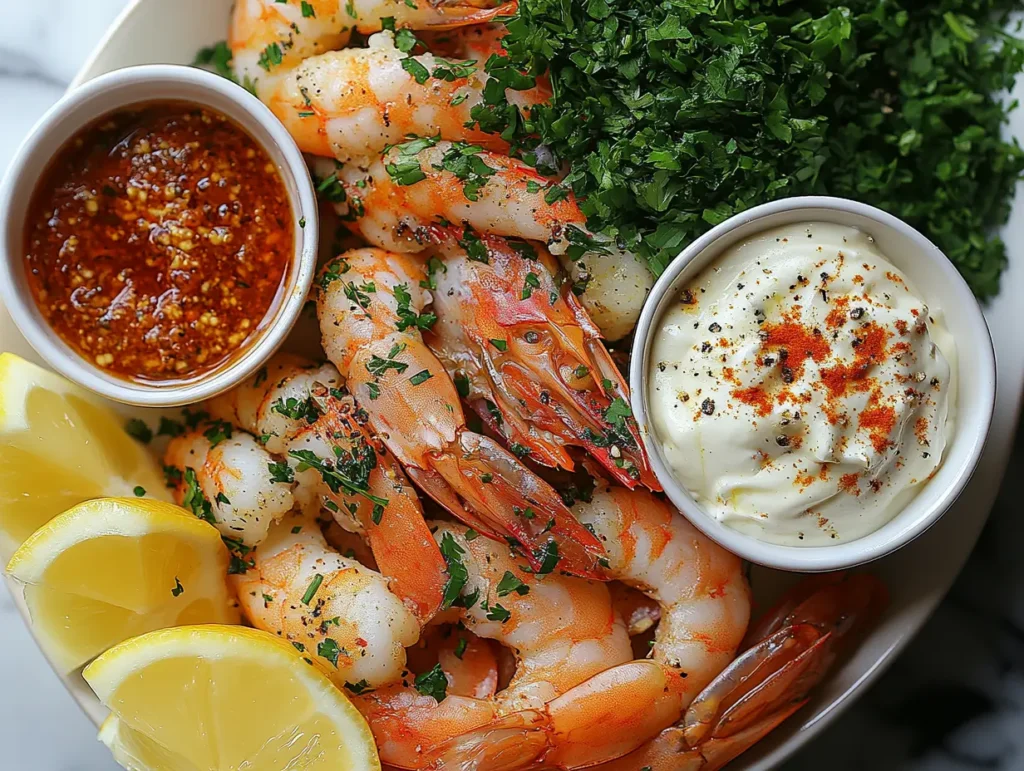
[(341, 615), (553, 385), (704, 607), (225, 480), (371, 310), (269, 38), (304, 416), (396, 201), (352, 104), (562, 630)]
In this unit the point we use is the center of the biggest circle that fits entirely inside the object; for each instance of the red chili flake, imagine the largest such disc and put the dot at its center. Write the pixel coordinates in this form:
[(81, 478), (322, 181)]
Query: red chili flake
[(878, 421), (838, 315), (798, 341), (921, 430), (848, 484), (757, 398)]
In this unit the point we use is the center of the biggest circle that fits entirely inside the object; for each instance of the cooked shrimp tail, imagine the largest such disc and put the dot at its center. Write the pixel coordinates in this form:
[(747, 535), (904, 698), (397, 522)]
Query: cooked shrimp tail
[(770, 680), (372, 309), (548, 384)]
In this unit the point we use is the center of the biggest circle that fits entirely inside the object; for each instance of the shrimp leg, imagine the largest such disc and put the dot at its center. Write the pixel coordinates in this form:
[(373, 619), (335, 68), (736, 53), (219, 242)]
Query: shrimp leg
[(371, 310)]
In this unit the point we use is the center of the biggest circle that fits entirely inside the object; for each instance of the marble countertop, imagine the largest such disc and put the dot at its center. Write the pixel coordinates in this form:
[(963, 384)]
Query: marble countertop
[(953, 700)]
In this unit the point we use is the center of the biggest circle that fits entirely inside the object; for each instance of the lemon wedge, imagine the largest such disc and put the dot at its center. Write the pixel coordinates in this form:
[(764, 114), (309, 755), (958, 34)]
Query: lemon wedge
[(61, 446), (113, 568), (214, 698)]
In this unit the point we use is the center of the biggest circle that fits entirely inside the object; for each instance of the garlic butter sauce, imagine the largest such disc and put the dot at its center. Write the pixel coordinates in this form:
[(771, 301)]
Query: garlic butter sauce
[(800, 388)]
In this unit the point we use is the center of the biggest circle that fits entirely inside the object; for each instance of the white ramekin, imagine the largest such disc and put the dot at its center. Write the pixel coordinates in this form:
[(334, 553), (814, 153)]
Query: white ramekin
[(80, 107), (942, 287)]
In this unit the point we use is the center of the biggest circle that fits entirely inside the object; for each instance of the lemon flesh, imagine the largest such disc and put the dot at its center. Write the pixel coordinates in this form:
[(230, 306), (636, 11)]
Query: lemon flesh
[(60, 446), (220, 698), (113, 568)]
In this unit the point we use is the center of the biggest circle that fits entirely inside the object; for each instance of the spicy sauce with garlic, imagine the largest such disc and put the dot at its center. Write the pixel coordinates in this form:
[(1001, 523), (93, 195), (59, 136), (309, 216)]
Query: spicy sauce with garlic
[(158, 241), (800, 387)]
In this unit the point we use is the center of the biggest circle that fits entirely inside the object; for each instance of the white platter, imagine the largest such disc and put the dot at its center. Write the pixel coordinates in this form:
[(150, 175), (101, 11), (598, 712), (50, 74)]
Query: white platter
[(171, 31)]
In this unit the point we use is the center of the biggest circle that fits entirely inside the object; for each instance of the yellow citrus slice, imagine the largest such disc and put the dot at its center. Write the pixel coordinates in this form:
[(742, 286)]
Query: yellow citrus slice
[(220, 698), (112, 568), (61, 446)]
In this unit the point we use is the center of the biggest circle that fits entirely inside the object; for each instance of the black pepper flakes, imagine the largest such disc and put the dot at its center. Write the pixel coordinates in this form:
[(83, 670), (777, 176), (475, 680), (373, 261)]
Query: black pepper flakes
[(707, 407)]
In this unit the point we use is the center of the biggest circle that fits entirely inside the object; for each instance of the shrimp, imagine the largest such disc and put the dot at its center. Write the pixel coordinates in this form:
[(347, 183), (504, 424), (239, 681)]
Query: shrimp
[(552, 385), (792, 649), (704, 608), (339, 614), (371, 310), (352, 104), (222, 477), (396, 200), (561, 629), (270, 35), (302, 412), (270, 38)]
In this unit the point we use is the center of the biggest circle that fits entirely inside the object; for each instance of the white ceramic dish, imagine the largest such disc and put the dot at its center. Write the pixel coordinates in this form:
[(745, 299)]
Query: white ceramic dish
[(945, 293), (157, 31), (81, 107)]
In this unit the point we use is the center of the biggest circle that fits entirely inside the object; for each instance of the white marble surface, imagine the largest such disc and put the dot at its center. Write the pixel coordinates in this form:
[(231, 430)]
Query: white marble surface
[(42, 45), (954, 700)]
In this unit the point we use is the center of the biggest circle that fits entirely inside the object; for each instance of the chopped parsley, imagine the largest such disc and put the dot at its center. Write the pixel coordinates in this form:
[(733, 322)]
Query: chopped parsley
[(458, 575), (217, 432), (509, 583), (348, 471), (178, 588), (138, 430), (329, 650), (281, 472), (139, 491), (359, 688), (195, 500), (657, 102), (460, 647), (420, 377), (407, 317), (433, 683), (311, 589)]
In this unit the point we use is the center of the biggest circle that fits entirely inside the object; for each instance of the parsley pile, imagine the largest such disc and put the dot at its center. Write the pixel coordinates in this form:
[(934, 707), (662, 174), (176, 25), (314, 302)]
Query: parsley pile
[(672, 115)]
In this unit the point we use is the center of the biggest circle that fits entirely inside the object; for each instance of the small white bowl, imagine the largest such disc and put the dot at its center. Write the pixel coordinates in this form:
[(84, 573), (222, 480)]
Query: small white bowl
[(942, 288), (102, 96)]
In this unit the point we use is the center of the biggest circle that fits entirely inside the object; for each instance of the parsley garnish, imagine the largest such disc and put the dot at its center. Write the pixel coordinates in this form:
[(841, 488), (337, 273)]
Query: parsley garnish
[(509, 583), (458, 575), (407, 317), (433, 683), (358, 688), (178, 588), (137, 429), (349, 471), (420, 377), (329, 650), (281, 472), (656, 103), (311, 589), (195, 500)]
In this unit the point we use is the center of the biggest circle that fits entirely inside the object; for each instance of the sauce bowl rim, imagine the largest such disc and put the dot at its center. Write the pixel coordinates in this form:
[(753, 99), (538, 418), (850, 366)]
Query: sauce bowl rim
[(79, 108), (968, 438)]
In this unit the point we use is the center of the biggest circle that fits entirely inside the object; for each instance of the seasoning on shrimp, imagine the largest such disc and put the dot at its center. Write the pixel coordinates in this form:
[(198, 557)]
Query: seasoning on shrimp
[(159, 241)]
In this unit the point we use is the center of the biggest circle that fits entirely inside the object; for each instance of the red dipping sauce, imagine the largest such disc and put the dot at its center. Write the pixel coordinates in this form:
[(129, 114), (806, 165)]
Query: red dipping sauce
[(158, 241)]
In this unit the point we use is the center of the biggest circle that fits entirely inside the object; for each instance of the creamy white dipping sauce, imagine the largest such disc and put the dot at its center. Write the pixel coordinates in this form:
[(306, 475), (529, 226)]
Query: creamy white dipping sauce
[(800, 388)]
